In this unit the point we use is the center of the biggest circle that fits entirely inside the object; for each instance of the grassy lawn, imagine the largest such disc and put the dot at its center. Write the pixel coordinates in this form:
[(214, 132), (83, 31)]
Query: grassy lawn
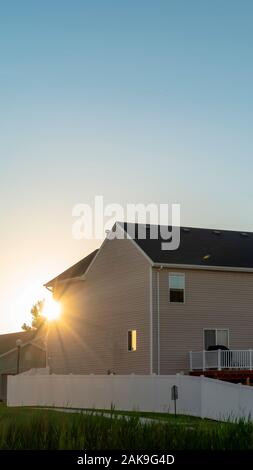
[(179, 419), (160, 416), (27, 428)]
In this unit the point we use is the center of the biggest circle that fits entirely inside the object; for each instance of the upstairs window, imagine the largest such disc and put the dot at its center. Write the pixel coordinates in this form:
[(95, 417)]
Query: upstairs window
[(132, 340), (177, 288)]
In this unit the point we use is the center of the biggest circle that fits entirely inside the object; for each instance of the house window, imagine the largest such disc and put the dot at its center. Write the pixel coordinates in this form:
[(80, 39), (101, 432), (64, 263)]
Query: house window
[(132, 340), (176, 287), (216, 337)]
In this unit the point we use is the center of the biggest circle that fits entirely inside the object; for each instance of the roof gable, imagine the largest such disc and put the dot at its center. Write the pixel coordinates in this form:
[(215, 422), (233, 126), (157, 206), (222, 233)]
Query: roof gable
[(77, 270), (8, 341)]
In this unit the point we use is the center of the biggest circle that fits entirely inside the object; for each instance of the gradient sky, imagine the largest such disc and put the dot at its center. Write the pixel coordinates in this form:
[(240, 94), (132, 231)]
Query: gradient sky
[(139, 101)]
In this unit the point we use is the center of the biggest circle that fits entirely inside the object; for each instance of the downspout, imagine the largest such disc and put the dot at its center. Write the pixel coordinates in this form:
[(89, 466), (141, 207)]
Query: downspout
[(158, 319), (158, 324), (151, 317)]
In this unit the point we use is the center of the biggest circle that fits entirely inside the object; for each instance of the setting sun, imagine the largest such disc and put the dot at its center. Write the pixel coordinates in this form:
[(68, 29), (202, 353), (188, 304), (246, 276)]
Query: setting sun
[(51, 310)]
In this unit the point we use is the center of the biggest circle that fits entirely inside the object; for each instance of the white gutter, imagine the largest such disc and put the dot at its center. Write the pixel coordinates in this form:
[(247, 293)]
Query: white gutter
[(202, 267)]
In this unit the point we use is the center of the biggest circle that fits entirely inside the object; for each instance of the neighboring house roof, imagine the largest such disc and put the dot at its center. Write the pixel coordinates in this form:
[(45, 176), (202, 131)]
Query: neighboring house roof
[(201, 247), (74, 271), (8, 341)]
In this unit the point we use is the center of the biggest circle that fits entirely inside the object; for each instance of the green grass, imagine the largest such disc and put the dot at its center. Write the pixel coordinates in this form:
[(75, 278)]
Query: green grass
[(27, 428), (179, 419)]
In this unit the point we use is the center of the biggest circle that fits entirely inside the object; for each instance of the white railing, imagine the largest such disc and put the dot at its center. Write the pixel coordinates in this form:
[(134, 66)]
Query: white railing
[(221, 359)]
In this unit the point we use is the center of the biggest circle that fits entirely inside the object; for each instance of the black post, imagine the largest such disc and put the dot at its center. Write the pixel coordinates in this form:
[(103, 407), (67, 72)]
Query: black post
[(174, 397)]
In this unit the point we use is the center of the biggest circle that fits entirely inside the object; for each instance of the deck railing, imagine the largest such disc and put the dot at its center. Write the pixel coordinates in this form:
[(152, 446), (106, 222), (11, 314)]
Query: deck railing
[(221, 359)]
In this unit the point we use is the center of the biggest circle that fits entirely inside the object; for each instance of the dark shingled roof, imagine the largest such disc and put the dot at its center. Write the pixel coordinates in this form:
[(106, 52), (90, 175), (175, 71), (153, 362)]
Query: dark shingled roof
[(224, 248), (198, 247), (76, 270), (8, 341)]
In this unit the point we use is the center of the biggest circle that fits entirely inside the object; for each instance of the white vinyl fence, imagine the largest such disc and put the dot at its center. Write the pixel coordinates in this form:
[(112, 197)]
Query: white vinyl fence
[(197, 396)]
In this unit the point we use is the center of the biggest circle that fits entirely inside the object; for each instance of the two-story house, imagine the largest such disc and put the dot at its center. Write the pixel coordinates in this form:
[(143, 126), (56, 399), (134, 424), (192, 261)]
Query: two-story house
[(131, 307)]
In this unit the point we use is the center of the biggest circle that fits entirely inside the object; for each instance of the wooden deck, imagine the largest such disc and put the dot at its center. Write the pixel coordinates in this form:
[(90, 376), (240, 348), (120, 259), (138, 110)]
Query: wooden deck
[(230, 375)]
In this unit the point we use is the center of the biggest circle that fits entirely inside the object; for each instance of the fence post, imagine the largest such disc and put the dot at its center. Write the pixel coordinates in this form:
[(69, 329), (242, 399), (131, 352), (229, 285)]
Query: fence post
[(204, 359), (179, 380), (202, 398), (250, 359), (190, 360), (219, 361)]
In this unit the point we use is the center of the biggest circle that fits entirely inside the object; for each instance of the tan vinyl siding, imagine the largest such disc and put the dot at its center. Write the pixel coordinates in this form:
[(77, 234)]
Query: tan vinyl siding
[(213, 299), (91, 336)]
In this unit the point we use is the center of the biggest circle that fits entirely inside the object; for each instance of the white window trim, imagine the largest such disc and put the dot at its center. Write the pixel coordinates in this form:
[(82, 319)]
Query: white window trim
[(215, 329), (131, 350), (176, 274)]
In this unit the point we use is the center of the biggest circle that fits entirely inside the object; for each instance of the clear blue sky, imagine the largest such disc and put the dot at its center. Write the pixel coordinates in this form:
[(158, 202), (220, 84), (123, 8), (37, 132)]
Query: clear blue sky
[(140, 101)]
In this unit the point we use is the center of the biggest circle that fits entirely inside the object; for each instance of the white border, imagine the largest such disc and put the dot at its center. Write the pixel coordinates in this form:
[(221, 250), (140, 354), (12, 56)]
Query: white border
[(171, 273)]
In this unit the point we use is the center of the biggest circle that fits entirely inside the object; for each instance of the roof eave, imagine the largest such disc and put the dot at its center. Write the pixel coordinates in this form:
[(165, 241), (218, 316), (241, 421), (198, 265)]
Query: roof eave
[(53, 284), (200, 266)]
